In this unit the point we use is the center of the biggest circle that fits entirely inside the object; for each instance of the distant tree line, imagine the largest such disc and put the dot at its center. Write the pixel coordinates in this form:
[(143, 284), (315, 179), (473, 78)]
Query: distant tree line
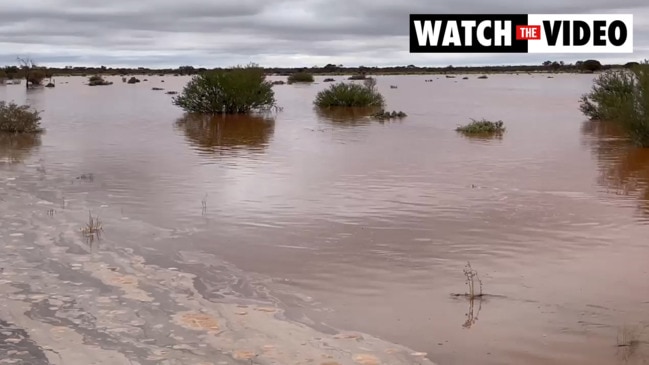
[(23, 69)]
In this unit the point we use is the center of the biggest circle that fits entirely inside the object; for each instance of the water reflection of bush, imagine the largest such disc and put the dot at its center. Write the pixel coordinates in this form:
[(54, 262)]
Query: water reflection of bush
[(624, 169), (15, 148), (346, 116), (222, 133), (482, 139)]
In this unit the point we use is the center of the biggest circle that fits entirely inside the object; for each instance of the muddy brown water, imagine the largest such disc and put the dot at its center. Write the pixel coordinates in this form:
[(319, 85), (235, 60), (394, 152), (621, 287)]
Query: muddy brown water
[(357, 225)]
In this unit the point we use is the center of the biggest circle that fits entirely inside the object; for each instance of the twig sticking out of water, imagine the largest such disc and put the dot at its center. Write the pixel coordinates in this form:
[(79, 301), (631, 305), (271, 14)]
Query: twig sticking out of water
[(93, 227), (471, 278), (204, 204), (628, 340)]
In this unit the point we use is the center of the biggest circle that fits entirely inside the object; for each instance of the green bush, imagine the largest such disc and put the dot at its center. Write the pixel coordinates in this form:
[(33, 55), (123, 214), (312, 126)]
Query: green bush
[(350, 95), (607, 94), (233, 91), (16, 118), (482, 127), (622, 96), (300, 77)]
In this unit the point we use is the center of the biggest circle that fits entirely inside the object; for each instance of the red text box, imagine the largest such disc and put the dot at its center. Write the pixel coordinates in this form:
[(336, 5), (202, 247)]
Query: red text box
[(528, 32)]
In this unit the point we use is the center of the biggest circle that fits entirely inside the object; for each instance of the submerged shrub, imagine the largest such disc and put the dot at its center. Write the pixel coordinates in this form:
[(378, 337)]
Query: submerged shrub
[(16, 118), (607, 94), (622, 97), (35, 77), (300, 77), (384, 114), (98, 80), (233, 91), (133, 80), (350, 95), (482, 127)]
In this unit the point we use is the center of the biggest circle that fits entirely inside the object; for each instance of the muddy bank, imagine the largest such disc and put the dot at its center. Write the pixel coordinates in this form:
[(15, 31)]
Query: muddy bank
[(75, 299)]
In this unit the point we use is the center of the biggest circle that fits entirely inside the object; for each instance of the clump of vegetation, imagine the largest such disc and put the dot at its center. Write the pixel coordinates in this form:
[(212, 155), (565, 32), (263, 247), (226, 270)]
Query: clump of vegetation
[(171, 92), (302, 77), (328, 79), (133, 80), (35, 78), (234, 91), (97, 80), (621, 96), (482, 127), (33, 74), (93, 227), (50, 84), (16, 118), (350, 95), (156, 88), (483, 77), (357, 77), (465, 78), (384, 114), (590, 66), (278, 82)]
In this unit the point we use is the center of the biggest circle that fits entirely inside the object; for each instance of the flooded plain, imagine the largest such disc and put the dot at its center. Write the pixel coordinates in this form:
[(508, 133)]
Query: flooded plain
[(308, 237)]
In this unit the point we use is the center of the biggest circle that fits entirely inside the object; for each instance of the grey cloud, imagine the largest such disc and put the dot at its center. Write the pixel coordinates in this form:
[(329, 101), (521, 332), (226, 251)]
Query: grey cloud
[(280, 32)]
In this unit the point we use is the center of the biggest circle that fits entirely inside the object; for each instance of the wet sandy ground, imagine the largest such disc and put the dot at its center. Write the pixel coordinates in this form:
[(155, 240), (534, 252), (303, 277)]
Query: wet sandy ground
[(71, 299)]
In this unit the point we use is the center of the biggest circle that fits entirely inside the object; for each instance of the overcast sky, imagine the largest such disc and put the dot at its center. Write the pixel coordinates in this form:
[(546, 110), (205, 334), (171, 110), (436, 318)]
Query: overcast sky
[(213, 33)]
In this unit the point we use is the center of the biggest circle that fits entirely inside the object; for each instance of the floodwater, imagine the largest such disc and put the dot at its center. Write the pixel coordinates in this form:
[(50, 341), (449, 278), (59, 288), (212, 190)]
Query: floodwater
[(338, 223)]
